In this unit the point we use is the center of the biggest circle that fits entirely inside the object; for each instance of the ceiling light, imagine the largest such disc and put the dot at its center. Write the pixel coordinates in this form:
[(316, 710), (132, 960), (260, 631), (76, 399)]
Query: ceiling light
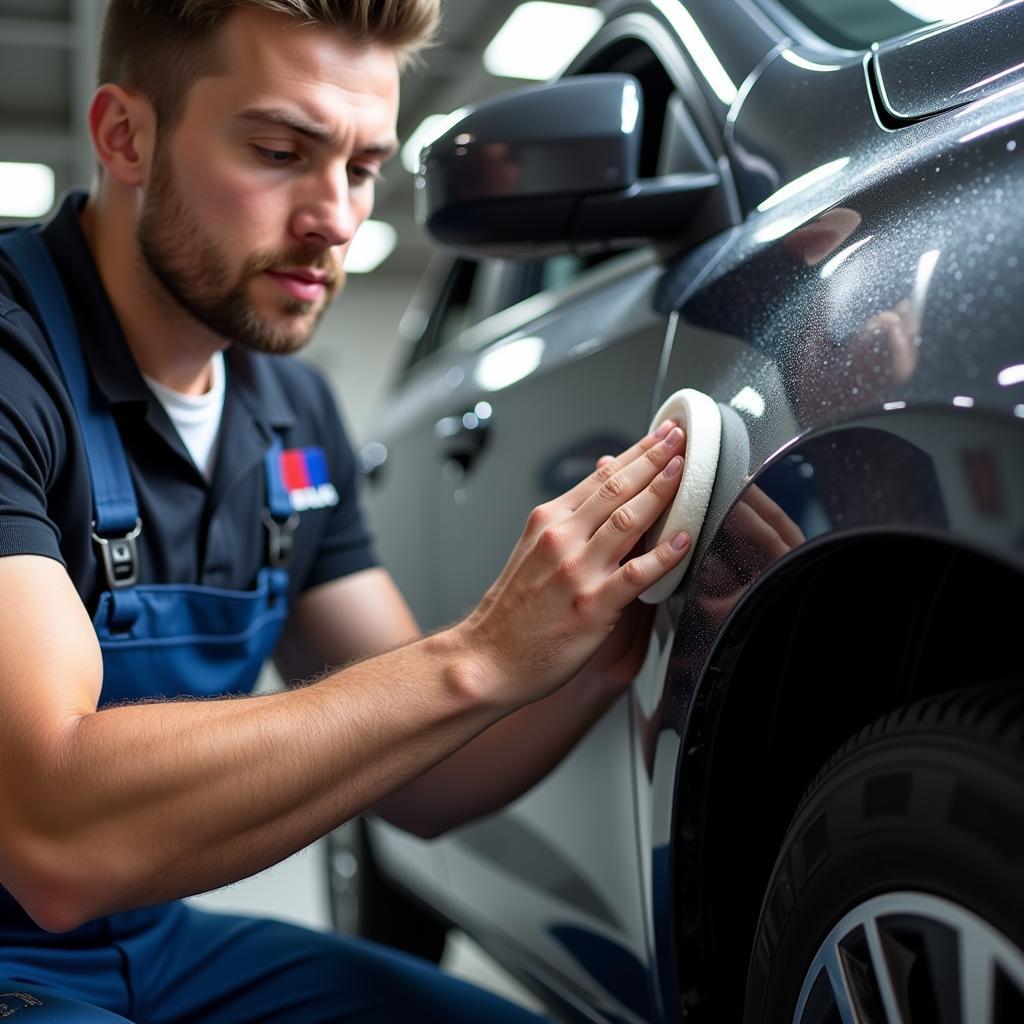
[(26, 190), (431, 128), (539, 39), (373, 244)]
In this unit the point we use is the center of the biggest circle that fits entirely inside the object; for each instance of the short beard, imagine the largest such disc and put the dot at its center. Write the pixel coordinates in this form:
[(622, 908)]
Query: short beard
[(192, 269)]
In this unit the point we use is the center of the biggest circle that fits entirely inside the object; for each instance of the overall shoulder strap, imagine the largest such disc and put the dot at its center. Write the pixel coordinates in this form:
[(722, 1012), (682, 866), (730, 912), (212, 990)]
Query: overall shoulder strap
[(279, 517), (115, 508)]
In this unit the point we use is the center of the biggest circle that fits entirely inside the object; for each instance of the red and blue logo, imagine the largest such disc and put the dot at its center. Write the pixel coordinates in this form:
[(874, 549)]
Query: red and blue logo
[(304, 474)]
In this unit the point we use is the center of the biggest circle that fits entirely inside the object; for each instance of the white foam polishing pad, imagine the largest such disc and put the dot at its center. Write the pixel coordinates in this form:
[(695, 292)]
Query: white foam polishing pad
[(699, 415)]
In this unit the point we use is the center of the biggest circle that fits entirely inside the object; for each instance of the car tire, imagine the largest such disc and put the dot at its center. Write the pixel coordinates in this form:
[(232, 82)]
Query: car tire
[(364, 903), (898, 895)]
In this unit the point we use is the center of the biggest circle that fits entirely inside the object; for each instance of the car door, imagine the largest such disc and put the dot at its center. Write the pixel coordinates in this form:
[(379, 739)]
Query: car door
[(399, 466), (569, 376)]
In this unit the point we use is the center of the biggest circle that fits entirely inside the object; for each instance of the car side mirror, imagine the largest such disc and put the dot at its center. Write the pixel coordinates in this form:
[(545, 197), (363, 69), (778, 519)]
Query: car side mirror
[(551, 169)]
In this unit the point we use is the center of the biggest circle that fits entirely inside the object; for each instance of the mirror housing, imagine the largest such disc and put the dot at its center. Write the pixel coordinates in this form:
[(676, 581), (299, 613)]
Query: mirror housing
[(551, 169)]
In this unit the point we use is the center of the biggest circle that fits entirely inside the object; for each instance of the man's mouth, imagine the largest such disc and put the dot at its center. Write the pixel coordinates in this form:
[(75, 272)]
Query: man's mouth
[(305, 285)]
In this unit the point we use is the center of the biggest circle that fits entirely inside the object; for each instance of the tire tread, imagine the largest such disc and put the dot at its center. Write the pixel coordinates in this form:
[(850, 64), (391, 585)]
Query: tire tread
[(993, 712)]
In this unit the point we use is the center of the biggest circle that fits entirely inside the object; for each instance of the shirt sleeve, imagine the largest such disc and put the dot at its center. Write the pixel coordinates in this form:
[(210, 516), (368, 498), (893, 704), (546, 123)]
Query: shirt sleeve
[(32, 439), (346, 545)]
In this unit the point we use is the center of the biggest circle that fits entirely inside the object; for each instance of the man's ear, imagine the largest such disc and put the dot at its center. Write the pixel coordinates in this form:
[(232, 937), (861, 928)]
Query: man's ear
[(123, 130)]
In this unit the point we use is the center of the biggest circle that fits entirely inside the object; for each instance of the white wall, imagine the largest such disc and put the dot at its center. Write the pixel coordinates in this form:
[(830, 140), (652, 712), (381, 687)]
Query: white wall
[(357, 344)]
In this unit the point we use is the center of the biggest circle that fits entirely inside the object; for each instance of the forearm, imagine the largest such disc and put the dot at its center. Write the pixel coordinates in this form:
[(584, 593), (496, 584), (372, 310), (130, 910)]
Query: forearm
[(500, 764), (143, 803)]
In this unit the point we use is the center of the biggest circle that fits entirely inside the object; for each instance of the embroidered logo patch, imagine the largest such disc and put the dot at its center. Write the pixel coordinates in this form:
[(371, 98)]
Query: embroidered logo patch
[(304, 473), (6, 1010)]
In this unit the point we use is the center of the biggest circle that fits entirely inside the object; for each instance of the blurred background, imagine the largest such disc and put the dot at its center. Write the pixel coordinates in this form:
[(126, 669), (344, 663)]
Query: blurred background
[(47, 76)]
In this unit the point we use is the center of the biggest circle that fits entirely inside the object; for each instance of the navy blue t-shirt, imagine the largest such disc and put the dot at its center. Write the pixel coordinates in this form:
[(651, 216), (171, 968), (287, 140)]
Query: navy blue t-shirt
[(193, 531)]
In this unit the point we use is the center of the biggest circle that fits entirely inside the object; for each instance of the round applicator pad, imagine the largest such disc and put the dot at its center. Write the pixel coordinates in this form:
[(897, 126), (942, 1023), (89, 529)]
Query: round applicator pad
[(700, 417)]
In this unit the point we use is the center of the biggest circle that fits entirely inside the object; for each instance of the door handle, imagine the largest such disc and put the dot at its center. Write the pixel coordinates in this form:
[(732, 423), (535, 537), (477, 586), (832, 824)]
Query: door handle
[(569, 465), (372, 458), (464, 437)]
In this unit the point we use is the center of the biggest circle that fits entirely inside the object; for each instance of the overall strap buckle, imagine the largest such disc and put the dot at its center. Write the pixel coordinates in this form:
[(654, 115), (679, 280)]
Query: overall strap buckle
[(120, 557), (280, 538)]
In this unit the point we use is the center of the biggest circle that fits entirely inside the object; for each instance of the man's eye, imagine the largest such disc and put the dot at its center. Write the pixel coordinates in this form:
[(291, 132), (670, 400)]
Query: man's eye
[(278, 157), (360, 174)]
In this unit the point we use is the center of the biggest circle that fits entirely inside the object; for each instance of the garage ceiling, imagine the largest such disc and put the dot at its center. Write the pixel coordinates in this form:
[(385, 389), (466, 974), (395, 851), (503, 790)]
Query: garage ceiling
[(48, 67)]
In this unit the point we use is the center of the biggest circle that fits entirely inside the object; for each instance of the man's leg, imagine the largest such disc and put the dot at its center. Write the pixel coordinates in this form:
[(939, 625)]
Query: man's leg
[(222, 969), (30, 1004), (77, 978)]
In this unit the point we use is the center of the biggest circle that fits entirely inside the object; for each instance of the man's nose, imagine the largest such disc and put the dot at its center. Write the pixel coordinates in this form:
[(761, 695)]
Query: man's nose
[(326, 216)]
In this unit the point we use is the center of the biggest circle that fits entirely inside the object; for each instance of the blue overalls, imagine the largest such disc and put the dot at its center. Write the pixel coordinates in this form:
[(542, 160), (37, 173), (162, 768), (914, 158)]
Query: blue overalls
[(173, 963)]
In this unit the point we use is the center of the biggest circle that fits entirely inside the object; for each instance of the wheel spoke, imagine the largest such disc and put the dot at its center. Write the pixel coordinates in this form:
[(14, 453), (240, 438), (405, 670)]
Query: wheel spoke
[(976, 980), (840, 987), (880, 964)]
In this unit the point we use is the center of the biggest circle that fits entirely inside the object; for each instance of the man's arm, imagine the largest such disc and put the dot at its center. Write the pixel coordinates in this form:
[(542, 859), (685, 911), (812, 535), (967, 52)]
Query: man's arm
[(355, 617), (112, 809), (364, 614)]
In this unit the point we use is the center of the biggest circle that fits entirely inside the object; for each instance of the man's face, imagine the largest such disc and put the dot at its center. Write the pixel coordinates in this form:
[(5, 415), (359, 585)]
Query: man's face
[(258, 190)]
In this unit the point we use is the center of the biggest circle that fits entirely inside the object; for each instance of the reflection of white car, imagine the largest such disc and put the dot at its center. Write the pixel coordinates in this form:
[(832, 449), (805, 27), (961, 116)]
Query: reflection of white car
[(810, 806)]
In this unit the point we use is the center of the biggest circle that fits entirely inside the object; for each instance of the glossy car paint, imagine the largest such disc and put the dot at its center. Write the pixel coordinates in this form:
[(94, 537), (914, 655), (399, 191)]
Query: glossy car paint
[(862, 324), (974, 59), (851, 431)]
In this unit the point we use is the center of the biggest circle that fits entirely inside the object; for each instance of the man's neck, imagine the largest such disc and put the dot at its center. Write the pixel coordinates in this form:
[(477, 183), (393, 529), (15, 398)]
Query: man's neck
[(166, 343)]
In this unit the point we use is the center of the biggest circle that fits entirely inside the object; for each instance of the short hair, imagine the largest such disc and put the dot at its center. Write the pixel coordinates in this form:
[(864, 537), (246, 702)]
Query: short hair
[(160, 47)]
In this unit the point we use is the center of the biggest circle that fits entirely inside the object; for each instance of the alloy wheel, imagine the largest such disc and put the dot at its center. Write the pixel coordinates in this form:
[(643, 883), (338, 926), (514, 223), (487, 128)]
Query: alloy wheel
[(913, 958)]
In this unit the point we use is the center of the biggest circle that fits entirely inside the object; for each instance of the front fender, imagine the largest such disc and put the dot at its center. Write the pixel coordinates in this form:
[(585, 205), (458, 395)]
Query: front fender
[(869, 512)]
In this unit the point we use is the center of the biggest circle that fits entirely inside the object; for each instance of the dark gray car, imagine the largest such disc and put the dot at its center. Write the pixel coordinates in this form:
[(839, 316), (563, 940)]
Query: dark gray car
[(810, 805)]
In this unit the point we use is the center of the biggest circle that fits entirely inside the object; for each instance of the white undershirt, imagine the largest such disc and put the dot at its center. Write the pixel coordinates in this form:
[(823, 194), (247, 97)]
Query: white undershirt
[(196, 417)]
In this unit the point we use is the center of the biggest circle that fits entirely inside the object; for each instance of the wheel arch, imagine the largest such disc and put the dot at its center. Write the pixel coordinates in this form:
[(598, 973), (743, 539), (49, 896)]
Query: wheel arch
[(894, 615)]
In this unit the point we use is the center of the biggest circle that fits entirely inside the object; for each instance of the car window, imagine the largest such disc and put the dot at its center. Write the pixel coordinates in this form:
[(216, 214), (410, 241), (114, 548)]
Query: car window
[(859, 23), (470, 291)]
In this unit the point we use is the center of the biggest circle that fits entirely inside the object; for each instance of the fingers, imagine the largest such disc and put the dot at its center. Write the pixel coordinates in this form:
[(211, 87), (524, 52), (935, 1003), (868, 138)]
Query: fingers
[(636, 575), (608, 466), (628, 523), (791, 534), (553, 512), (624, 484)]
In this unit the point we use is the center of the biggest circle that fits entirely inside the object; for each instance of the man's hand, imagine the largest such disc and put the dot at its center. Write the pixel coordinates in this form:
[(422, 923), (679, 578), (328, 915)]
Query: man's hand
[(568, 580), (755, 534)]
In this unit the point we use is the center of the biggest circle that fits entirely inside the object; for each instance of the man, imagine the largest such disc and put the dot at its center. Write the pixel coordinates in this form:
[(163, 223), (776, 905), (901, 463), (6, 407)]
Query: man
[(238, 145)]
